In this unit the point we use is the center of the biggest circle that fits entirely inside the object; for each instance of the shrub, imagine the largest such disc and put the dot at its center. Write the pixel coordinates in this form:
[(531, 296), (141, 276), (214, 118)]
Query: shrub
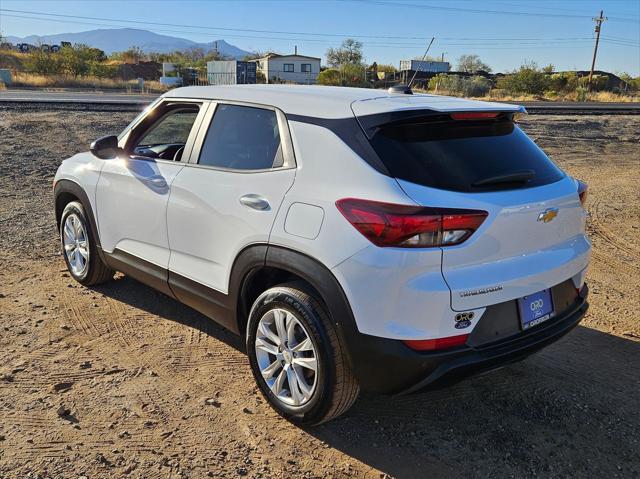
[(527, 79), (101, 70), (456, 85), (581, 94), (330, 76), (347, 75)]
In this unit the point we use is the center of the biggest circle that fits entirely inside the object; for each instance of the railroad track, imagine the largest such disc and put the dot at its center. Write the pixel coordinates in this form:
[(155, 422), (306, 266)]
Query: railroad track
[(100, 101)]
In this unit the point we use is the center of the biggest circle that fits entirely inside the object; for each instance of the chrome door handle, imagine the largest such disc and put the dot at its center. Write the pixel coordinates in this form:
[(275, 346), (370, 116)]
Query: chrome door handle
[(255, 202), (157, 181)]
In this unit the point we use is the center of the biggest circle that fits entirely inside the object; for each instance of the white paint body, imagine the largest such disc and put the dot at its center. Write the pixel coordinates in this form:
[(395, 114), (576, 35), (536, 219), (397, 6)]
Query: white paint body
[(194, 224)]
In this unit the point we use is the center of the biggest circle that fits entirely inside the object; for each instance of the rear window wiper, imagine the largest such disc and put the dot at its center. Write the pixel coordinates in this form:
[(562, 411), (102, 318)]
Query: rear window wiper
[(522, 176)]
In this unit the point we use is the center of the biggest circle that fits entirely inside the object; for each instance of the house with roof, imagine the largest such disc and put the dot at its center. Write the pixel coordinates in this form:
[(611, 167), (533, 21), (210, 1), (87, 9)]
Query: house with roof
[(294, 68)]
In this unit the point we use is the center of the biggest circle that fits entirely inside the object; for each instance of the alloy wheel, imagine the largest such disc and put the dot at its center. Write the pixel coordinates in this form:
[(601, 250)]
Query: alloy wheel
[(76, 244), (287, 357)]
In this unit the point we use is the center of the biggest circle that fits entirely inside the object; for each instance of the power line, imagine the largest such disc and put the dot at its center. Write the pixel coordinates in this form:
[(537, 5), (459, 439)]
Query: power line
[(483, 11), (492, 42)]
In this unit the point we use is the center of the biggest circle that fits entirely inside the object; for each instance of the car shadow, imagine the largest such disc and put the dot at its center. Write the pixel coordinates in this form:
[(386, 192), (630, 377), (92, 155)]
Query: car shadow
[(138, 295), (565, 411)]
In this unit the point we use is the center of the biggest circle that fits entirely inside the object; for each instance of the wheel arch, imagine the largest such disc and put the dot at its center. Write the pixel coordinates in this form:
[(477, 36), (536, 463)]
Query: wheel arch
[(282, 265), (66, 191)]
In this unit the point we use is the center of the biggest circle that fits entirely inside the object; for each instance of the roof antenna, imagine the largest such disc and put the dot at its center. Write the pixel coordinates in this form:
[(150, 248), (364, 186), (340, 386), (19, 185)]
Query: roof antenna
[(423, 57)]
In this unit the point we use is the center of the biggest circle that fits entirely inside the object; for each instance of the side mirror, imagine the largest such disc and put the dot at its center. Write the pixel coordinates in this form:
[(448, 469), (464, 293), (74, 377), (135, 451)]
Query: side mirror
[(105, 148)]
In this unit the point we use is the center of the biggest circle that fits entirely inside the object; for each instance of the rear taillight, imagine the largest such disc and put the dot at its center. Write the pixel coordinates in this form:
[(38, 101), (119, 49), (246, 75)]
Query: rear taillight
[(404, 226), (475, 115), (583, 189), (438, 343)]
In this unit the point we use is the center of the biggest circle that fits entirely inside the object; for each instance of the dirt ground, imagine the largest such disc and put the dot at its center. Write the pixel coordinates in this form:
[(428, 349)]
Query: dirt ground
[(121, 381)]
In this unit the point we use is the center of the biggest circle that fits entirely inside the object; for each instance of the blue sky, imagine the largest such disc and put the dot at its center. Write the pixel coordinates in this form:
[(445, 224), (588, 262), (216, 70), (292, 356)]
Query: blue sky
[(545, 31)]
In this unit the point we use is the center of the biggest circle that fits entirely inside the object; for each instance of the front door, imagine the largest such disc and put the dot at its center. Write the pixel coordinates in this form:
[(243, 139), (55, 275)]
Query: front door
[(133, 189)]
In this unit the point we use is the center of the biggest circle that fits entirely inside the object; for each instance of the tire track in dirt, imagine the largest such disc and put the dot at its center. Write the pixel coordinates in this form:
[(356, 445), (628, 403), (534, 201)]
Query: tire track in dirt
[(600, 229)]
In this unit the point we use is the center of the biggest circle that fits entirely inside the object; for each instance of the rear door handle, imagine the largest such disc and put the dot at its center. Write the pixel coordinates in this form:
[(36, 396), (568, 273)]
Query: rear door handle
[(255, 202)]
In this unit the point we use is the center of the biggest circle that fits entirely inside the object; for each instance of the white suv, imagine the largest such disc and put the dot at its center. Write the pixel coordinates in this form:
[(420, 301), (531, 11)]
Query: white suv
[(356, 238)]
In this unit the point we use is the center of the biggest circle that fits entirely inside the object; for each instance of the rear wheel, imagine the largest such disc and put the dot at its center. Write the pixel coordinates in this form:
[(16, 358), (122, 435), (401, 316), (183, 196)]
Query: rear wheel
[(296, 356), (79, 247)]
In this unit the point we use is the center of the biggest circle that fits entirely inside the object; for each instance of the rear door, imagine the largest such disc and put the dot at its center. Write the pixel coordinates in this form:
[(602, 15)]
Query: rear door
[(227, 197), (533, 236)]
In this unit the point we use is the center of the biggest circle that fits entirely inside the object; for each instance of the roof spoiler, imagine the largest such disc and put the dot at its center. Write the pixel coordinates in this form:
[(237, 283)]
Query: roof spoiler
[(372, 123)]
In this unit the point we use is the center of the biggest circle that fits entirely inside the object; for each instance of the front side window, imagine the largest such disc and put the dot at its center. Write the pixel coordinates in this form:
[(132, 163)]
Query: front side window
[(306, 67), (164, 132), (242, 138), (288, 67)]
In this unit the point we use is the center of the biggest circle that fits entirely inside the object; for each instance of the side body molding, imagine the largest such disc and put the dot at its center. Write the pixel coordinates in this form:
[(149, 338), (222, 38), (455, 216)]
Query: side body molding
[(222, 308)]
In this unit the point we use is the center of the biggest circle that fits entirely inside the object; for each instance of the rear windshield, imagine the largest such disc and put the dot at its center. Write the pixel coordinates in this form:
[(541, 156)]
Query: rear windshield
[(464, 155)]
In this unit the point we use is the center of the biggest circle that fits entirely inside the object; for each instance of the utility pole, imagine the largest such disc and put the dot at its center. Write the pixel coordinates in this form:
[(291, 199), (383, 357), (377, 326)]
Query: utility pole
[(598, 21)]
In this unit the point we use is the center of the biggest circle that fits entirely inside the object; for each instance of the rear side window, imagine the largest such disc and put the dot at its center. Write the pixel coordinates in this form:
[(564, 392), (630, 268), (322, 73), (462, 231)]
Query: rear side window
[(463, 155), (242, 138)]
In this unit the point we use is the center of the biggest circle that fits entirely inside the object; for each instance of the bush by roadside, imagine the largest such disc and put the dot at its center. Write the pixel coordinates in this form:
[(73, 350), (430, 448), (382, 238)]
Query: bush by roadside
[(32, 80)]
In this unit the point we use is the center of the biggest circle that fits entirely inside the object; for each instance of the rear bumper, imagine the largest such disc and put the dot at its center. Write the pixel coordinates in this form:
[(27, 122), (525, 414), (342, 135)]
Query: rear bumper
[(388, 366)]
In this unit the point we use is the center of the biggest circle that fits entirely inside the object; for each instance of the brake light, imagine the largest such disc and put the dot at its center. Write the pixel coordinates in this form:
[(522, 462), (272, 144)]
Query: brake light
[(438, 343), (583, 189), (474, 115), (404, 226)]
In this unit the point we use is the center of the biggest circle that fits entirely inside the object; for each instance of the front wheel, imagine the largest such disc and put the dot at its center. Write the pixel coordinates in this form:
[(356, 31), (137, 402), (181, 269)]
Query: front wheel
[(79, 247), (296, 357)]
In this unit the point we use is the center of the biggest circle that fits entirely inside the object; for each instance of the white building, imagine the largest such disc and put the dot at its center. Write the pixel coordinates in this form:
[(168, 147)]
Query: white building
[(289, 68)]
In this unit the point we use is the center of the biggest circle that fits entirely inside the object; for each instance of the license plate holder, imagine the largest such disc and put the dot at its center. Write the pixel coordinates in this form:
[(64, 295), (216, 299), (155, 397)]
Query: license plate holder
[(535, 308)]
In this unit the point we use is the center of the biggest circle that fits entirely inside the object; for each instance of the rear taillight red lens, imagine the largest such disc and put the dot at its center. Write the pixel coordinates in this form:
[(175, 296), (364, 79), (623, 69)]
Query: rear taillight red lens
[(583, 189), (475, 115), (438, 343), (405, 226)]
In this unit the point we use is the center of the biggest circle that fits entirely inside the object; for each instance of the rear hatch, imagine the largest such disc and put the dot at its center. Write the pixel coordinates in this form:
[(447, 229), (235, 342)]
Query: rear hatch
[(475, 157)]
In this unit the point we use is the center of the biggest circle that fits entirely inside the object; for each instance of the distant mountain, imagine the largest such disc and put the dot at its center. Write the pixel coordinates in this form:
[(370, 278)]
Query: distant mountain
[(118, 39)]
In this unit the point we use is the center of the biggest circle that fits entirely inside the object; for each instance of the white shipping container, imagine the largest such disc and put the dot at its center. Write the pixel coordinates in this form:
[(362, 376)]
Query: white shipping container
[(424, 66)]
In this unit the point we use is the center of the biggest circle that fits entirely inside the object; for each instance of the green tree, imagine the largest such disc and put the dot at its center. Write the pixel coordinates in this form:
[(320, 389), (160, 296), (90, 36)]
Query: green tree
[(77, 59), (349, 53), (472, 64)]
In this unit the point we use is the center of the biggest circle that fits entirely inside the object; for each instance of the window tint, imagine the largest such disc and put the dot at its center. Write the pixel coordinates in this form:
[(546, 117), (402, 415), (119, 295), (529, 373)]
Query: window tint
[(464, 155), (172, 128), (242, 138), (288, 67)]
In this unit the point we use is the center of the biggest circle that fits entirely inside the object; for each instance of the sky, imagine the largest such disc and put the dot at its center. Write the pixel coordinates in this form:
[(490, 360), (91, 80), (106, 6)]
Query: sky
[(504, 33)]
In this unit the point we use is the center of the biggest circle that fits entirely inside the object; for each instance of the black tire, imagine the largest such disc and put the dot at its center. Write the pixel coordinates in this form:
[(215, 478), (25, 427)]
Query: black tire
[(336, 388), (96, 272)]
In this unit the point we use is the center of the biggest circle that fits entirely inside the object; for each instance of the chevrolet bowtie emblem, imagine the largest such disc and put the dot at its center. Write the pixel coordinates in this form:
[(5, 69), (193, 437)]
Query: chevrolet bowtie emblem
[(547, 215)]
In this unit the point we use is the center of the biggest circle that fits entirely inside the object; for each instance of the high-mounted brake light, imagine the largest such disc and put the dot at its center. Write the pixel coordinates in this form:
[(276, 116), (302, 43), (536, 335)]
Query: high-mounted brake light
[(475, 115), (404, 226), (583, 190), (438, 343)]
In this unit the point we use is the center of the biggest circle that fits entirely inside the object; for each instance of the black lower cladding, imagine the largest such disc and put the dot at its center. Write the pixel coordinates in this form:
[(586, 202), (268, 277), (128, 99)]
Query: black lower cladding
[(389, 366)]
